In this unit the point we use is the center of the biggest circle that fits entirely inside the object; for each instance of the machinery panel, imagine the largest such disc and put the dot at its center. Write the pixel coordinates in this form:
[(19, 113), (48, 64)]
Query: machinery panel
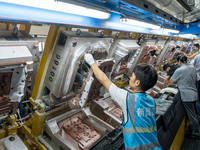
[(67, 60), (169, 51), (12, 87), (95, 88), (12, 142), (188, 47), (147, 52), (160, 46), (80, 131), (19, 47), (19, 59), (107, 110), (125, 51), (14, 55), (76, 129), (5, 80)]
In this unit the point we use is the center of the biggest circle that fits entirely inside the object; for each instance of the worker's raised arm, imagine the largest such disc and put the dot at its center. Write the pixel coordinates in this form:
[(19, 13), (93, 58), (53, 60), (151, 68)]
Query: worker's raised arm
[(117, 94), (100, 75), (192, 56), (189, 56)]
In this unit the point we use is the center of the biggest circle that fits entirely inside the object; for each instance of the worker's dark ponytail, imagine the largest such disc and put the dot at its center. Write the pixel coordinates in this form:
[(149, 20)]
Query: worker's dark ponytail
[(182, 58)]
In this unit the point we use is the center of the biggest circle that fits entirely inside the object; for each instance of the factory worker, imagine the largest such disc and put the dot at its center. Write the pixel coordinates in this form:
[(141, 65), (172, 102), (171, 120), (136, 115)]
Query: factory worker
[(192, 56), (139, 125), (170, 69), (185, 77), (197, 67)]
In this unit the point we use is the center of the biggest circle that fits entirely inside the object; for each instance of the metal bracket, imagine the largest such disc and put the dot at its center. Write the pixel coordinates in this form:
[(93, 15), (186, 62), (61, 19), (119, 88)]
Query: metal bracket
[(85, 92), (40, 106)]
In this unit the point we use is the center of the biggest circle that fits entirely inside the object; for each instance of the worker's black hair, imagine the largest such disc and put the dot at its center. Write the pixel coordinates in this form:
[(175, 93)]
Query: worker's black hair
[(178, 46), (147, 76), (165, 66), (197, 45), (182, 58)]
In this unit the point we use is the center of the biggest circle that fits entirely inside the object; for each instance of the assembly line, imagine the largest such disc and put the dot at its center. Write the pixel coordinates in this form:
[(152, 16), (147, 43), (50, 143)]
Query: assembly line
[(93, 82), (74, 110)]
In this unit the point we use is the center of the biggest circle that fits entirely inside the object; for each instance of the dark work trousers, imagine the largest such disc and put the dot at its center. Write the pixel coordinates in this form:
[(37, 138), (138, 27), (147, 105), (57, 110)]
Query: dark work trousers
[(198, 89), (198, 101), (191, 111)]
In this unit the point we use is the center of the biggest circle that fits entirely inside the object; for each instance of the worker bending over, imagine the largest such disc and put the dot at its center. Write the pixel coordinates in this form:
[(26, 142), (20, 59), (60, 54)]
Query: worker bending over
[(185, 77), (191, 56), (139, 125), (170, 69)]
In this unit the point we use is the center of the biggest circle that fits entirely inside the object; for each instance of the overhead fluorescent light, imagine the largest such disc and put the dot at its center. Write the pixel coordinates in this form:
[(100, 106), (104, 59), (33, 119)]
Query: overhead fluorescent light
[(63, 7), (164, 31), (159, 31), (190, 36), (123, 26), (171, 30), (139, 23)]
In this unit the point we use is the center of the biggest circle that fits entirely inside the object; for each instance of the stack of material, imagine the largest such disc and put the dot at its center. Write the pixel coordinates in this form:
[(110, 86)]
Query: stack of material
[(162, 106)]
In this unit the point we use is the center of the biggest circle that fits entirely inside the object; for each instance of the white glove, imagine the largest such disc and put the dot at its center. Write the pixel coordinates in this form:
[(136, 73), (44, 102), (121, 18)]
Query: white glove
[(89, 59)]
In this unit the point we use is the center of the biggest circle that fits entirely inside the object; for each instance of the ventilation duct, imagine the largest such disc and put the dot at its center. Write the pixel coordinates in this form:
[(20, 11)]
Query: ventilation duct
[(170, 6)]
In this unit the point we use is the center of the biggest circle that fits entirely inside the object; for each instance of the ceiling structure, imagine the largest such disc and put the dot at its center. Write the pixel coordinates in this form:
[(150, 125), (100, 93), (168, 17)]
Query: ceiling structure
[(132, 8), (175, 14), (184, 11), (180, 14)]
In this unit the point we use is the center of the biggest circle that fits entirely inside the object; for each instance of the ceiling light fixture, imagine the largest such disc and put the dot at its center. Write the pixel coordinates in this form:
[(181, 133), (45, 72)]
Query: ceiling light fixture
[(139, 23), (63, 7), (159, 32), (123, 26), (171, 30), (190, 36)]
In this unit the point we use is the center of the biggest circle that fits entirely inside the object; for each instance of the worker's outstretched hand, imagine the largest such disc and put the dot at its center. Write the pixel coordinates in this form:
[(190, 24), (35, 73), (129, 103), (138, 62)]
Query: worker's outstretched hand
[(182, 53), (89, 59)]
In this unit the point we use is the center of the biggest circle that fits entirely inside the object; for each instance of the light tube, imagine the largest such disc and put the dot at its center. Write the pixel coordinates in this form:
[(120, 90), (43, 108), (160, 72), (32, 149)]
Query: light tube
[(139, 23), (191, 36), (63, 7), (171, 30)]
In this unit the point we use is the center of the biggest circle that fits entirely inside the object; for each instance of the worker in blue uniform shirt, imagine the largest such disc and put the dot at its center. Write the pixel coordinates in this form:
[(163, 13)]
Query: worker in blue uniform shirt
[(139, 125), (192, 56), (186, 78)]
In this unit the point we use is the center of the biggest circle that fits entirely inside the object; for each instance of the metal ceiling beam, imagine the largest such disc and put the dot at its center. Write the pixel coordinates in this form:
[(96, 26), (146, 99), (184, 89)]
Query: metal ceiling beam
[(184, 5), (26, 14), (134, 8), (190, 28), (144, 16), (152, 9)]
